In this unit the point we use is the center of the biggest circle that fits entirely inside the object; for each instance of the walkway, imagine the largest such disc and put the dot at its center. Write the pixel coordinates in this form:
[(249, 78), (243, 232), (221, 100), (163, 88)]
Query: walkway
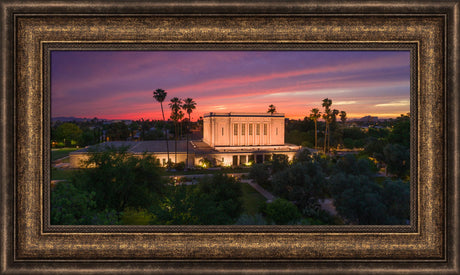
[(261, 190), (328, 205), (60, 163)]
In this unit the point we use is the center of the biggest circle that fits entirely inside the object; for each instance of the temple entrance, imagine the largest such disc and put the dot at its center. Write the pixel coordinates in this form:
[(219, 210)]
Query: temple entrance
[(235, 160)]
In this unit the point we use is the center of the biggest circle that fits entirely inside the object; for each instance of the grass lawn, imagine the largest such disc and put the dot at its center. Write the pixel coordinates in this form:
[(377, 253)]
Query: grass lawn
[(60, 153), (252, 200), (62, 174)]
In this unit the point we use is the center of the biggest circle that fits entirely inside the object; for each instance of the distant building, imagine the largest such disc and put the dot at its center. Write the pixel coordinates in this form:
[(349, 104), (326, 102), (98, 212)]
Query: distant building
[(229, 139)]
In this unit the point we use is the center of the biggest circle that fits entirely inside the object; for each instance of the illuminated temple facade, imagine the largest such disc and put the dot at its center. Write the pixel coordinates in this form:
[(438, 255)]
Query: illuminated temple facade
[(229, 139), (243, 138), (243, 129)]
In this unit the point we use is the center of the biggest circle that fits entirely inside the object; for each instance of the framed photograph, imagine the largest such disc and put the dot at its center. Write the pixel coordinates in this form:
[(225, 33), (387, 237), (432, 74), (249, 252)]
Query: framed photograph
[(248, 70)]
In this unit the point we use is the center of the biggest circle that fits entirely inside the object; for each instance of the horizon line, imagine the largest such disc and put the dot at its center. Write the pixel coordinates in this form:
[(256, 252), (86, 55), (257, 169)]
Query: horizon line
[(291, 118)]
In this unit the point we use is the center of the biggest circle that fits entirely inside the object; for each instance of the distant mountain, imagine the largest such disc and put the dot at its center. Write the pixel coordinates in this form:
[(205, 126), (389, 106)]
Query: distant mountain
[(70, 118), (78, 119)]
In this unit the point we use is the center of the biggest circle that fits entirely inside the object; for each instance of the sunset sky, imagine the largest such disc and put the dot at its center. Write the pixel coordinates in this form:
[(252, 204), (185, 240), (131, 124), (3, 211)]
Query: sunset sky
[(119, 84)]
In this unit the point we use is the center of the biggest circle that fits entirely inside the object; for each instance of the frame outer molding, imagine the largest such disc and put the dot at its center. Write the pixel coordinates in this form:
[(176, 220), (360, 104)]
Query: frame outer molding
[(33, 30), (453, 140), (32, 242)]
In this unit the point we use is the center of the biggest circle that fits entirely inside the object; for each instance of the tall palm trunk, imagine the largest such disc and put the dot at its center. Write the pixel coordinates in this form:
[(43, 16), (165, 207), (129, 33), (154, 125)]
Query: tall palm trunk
[(166, 134), (325, 137), (175, 142), (316, 136), (188, 128)]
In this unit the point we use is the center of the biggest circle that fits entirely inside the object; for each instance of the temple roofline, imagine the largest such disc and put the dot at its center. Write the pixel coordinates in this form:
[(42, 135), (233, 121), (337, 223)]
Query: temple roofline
[(238, 114)]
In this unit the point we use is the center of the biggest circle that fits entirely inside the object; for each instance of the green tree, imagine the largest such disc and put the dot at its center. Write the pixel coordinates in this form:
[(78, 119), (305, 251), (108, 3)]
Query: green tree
[(350, 164), (303, 183), (247, 219), (279, 163), (296, 137), (303, 155), (357, 198), (177, 206), (259, 173), (353, 137), (144, 125), (400, 132), (73, 206), (396, 197), (154, 134), (374, 148), (219, 200), (68, 133), (120, 180), (282, 211), (188, 106), (132, 216), (118, 131), (133, 127), (212, 201), (160, 95), (87, 138), (397, 159)]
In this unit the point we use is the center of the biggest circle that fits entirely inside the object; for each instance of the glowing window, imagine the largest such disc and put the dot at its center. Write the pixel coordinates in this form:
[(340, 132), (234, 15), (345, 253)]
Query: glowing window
[(243, 129), (265, 129), (258, 129), (250, 129), (235, 129)]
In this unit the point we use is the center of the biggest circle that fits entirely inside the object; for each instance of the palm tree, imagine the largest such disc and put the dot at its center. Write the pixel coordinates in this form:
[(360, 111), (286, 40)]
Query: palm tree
[(160, 95), (333, 121), (315, 114), (271, 109), (343, 116), (335, 112), (133, 127), (144, 127), (176, 115), (327, 117), (188, 106)]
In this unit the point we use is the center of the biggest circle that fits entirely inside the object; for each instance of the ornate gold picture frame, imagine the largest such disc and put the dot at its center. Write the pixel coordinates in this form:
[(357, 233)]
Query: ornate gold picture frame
[(29, 244)]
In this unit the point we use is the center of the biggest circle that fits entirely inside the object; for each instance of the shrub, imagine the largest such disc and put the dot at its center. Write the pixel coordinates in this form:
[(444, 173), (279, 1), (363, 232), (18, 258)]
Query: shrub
[(259, 173), (282, 211)]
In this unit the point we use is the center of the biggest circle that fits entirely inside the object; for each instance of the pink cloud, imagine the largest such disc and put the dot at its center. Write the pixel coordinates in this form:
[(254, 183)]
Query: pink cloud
[(215, 84)]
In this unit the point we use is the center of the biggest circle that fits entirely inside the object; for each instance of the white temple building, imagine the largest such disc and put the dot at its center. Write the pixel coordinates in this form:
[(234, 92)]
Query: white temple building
[(229, 139), (242, 138)]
